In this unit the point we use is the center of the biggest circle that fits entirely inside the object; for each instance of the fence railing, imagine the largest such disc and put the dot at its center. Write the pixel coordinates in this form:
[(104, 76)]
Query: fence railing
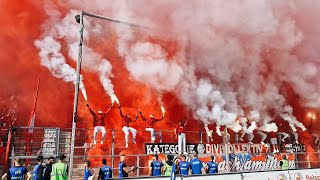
[(50, 141)]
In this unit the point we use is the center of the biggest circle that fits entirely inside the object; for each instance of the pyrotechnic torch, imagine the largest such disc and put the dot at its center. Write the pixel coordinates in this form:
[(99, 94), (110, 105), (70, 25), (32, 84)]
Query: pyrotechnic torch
[(114, 98), (162, 110)]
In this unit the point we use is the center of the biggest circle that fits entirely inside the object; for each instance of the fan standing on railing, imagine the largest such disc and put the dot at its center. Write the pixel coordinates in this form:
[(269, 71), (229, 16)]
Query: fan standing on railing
[(126, 120), (149, 125), (180, 132), (98, 123)]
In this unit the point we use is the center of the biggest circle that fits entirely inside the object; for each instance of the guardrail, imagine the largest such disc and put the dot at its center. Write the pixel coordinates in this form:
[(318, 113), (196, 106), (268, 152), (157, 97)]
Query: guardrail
[(84, 138)]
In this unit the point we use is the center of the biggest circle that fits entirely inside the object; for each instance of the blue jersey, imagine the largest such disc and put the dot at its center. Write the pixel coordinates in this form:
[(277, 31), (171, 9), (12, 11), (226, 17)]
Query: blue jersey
[(105, 172), (87, 173), (37, 172), (17, 172), (156, 168), (47, 171), (196, 166), (173, 172), (122, 173), (212, 167), (184, 168)]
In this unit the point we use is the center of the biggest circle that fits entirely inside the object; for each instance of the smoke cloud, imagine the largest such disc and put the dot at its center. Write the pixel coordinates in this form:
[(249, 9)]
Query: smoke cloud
[(55, 61), (66, 29), (219, 60)]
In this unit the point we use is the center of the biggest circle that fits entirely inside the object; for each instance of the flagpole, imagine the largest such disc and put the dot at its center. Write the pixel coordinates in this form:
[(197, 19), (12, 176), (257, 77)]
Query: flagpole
[(31, 123), (37, 93)]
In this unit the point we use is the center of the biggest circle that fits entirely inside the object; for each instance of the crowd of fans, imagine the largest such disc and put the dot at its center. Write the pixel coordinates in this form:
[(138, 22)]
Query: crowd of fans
[(8, 116)]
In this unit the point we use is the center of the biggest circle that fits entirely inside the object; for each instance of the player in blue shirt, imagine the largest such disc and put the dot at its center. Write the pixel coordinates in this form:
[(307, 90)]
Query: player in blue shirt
[(38, 169), (156, 166), (196, 165), (105, 171), (123, 169), (183, 166), (212, 166), (88, 172), (18, 171)]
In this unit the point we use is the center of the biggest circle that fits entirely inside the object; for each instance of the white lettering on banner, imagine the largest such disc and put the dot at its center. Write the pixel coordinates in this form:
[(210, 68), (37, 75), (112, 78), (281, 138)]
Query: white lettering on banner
[(191, 147), (295, 148), (216, 147), (166, 148), (305, 174), (241, 148), (244, 162), (206, 148), (156, 150), (49, 142), (149, 150)]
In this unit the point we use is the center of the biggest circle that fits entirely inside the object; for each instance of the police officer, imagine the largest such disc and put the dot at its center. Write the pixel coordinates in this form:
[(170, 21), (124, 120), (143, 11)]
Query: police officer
[(18, 171), (284, 163), (183, 166), (156, 166), (38, 169), (105, 171), (180, 132), (60, 169), (196, 165), (212, 166)]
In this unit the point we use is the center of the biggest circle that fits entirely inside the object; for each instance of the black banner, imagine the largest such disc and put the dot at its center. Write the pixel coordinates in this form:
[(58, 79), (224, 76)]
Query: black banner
[(166, 148), (293, 148)]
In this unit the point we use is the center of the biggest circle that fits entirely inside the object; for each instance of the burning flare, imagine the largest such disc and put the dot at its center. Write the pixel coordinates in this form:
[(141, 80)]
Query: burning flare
[(162, 110), (114, 98)]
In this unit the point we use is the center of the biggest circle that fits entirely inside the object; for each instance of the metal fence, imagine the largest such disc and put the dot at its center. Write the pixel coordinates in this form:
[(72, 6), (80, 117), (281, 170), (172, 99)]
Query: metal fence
[(53, 141)]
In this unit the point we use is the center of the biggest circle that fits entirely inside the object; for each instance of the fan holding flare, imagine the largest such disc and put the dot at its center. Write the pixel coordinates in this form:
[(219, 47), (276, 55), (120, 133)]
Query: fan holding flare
[(126, 120), (150, 122), (98, 122)]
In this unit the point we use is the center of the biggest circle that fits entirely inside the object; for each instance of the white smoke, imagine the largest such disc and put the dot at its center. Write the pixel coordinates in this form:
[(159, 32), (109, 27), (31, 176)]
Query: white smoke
[(235, 126), (218, 131), (148, 63), (67, 29), (52, 59), (229, 61), (272, 127)]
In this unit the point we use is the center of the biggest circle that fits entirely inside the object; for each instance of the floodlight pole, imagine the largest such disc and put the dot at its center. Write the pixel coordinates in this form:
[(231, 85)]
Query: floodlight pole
[(226, 146), (76, 94)]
